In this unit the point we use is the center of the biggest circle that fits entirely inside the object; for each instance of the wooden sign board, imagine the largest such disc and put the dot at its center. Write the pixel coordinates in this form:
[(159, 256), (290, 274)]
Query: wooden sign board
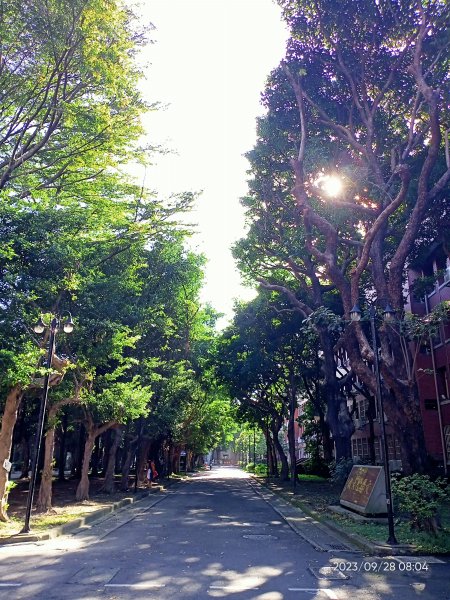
[(365, 490)]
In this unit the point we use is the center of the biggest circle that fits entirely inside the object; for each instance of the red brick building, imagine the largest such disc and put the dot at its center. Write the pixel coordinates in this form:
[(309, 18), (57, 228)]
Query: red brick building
[(433, 357)]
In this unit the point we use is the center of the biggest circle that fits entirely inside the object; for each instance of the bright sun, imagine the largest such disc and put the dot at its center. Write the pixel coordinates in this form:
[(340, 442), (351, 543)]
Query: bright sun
[(331, 185)]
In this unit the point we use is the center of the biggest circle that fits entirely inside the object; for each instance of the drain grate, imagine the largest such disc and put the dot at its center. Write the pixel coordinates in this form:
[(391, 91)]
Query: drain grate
[(327, 573), (337, 547)]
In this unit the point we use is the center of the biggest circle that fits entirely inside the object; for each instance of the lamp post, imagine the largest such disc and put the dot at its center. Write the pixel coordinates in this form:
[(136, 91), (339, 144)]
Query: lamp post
[(39, 328), (388, 314)]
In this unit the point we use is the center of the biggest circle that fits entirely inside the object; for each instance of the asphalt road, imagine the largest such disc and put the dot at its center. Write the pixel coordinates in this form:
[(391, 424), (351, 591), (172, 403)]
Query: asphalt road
[(213, 536)]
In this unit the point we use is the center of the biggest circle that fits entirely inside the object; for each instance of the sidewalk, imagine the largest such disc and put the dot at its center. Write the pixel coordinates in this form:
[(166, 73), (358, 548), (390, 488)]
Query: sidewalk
[(324, 535), (82, 523)]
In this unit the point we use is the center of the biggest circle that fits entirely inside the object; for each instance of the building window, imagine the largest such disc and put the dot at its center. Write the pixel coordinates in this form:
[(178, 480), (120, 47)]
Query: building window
[(393, 448), (360, 448)]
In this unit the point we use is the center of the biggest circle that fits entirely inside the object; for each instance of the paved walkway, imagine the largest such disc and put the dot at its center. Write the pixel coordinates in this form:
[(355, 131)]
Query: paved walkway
[(218, 534)]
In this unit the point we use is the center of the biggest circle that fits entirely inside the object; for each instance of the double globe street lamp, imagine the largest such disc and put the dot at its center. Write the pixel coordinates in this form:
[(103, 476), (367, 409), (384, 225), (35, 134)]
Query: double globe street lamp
[(388, 317), (39, 328)]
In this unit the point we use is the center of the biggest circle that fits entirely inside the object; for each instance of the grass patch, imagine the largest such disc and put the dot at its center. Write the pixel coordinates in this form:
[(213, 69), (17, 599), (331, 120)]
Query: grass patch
[(305, 477), (378, 532), (317, 494), (48, 520)]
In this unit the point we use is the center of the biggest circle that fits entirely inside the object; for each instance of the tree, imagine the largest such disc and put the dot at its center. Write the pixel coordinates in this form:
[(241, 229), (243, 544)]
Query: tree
[(70, 116), (107, 407), (68, 92), (265, 358), (360, 94)]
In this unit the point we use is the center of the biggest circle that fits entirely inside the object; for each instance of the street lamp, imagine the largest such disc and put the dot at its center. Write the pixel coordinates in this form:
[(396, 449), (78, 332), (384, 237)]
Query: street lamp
[(388, 316), (40, 326)]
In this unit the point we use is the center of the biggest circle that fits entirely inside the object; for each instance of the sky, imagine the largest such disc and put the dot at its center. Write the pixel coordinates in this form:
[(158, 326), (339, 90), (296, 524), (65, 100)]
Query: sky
[(208, 67)]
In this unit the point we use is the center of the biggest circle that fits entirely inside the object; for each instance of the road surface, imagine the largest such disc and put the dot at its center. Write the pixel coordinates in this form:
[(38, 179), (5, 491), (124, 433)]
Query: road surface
[(212, 536)]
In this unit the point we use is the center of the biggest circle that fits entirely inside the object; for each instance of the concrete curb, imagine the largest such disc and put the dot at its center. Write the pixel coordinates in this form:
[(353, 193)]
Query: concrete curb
[(346, 536), (20, 538)]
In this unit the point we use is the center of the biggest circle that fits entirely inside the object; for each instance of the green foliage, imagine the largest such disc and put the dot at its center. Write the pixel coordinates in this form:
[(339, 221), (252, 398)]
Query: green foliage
[(10, 485), (80, 235), (422, 498), (258, 469), (314, 465), (341, 470), (349, 100), (324, 317), (261, 470), (18, 367)]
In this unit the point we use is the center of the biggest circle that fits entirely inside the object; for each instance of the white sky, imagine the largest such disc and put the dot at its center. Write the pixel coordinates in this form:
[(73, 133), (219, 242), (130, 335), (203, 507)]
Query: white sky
[(209, 65)]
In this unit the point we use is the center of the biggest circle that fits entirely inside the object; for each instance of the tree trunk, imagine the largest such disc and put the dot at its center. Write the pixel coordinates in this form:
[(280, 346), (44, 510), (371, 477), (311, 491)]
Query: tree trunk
[(291, 432), (327, 442), (44, 501), (282, 456), (78, 463), (129, 453), (171, 467), (106, 439), (337, 416), (401, 404), (108, 486), (95, 458), (82, 492), (9, 418), (403, 412), (124, 481), (271, 456), (142, 460), (62, 448)]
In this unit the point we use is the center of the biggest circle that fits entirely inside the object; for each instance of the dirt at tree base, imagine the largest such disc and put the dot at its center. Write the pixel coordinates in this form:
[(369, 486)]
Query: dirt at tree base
[(64, 503)]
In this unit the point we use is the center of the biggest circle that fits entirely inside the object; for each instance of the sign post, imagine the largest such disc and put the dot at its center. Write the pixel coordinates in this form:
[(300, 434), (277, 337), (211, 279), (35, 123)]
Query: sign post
[(365, 490)]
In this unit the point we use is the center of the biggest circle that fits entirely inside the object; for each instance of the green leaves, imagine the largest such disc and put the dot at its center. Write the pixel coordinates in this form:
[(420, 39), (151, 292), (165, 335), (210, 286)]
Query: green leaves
[(422, 498), (18, 367)]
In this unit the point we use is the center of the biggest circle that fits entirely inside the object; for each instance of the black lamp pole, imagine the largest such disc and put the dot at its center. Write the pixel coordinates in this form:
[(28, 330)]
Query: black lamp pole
[(39, 328), (40, 427), (387, 475), (388, 313)]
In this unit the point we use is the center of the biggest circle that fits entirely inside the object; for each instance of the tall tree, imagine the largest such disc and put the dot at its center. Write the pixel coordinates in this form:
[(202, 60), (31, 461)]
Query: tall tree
[(70, 116), (360, 95)]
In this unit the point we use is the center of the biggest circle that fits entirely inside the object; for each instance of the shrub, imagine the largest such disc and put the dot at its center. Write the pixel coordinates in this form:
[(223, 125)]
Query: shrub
[(261, 470), (341, 470), (314, 465), (422, 498)]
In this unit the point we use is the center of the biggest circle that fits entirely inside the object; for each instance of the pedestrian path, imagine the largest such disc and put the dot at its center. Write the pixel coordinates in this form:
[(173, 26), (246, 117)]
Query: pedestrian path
[(311, 530)]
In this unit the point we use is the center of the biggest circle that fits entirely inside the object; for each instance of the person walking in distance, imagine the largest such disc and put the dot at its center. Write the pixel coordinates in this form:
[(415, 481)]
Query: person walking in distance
[(154, 472)]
